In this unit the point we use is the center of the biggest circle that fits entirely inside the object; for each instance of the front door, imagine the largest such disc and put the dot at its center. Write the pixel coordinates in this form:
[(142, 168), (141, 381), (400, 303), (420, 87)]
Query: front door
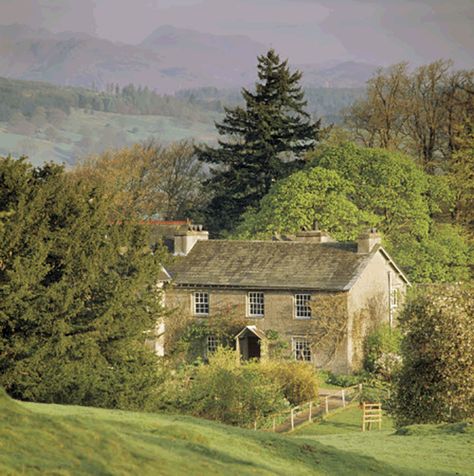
[(253, 347)]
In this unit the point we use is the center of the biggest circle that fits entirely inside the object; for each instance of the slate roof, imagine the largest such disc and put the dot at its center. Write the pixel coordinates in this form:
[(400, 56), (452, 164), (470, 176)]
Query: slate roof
[(271, 265)]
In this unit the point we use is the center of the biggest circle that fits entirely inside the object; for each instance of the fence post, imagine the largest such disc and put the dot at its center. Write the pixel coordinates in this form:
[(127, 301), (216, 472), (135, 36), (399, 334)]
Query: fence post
[(310, 418), (255, 425), (363, 415), (327, 404), (343, 393), (274, 424), (292, 419)]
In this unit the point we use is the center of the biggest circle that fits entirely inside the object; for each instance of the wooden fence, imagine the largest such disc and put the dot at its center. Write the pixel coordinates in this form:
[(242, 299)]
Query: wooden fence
[(299, 414)]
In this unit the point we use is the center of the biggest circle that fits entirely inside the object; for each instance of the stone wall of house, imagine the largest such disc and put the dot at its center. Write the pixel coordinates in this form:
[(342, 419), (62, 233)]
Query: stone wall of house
[(369, 305), (279, 317)]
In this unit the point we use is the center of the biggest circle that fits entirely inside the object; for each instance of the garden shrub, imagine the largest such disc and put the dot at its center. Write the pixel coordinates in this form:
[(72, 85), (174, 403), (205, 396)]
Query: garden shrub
[(382, 351), (297, 380), (343, 380), (229, 392), (436, 381), (236, 393)]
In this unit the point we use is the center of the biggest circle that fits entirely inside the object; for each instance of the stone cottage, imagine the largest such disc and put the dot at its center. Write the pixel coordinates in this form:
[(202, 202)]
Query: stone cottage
[(320, 296)]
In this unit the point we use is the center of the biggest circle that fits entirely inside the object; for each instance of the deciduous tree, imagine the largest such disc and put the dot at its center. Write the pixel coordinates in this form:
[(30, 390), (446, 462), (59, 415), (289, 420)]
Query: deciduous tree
[(147, 180), (347, 188)]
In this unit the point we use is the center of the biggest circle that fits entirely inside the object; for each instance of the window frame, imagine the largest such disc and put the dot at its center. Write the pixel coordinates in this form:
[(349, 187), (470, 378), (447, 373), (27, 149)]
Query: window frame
[(294, 340), (253, 294), (394, 297), (211, 341), (295, 306), (195, 303)]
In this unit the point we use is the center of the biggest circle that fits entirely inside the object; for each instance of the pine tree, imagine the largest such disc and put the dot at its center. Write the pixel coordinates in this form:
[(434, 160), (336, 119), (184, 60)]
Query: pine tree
[(262, 142), (77, 294)]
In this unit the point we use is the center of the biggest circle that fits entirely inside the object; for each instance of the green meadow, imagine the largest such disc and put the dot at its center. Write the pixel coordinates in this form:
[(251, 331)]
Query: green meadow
[(71, 440)]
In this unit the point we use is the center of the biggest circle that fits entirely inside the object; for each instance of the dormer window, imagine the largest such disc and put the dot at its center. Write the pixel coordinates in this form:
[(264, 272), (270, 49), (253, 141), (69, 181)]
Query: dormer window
[(201, 304), (255, 304)]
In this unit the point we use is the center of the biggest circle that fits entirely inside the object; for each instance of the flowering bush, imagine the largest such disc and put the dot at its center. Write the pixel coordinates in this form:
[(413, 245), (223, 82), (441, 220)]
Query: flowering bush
[(387, 365)]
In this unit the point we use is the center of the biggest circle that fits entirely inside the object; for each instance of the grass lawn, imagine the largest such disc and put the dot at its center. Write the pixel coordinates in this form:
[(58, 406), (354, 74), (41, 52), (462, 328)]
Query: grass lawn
[(324, 385), (66, 440), (348, 420), (423, 449)]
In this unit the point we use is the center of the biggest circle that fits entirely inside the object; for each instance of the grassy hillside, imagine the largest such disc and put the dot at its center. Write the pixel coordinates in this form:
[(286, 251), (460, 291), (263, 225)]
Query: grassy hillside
[(81, 133), (38, 439), (419, 449)]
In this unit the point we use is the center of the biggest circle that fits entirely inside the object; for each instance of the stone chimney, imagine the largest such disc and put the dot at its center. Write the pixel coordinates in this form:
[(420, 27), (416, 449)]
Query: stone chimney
[(185, 240), (367, 241), (314, 236)]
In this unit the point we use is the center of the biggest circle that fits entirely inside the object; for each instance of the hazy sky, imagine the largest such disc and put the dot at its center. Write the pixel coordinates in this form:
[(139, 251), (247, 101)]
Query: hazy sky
[(312, 31)]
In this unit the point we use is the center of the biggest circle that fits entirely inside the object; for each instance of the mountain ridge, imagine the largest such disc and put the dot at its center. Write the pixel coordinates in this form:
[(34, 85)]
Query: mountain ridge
[(166, 60)]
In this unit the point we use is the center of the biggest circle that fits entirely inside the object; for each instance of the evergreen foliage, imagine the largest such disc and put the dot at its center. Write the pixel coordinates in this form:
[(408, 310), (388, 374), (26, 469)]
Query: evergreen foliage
[(263, 142), (77, 294), (436, 382)]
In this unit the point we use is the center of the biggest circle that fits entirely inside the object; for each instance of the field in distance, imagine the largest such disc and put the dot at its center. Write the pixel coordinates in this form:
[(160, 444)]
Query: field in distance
[(83, 132)]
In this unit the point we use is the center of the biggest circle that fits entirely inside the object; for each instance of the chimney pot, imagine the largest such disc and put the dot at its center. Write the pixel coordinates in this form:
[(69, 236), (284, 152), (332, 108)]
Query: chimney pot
[(367, 241), (184, 241)]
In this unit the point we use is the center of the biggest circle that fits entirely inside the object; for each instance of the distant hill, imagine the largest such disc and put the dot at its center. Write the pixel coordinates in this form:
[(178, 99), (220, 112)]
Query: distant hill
[(210, 60), (323, 102), (63, 123), (349, 74), (169, 59), (76, 59)]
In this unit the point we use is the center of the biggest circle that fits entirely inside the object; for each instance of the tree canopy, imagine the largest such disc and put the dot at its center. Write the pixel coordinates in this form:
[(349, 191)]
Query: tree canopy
[(147, 179), (347, 188), (422, 112), (295, 203)]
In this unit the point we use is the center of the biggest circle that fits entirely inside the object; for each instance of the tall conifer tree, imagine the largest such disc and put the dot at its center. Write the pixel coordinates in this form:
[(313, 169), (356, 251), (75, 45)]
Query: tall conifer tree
[(262, 142)]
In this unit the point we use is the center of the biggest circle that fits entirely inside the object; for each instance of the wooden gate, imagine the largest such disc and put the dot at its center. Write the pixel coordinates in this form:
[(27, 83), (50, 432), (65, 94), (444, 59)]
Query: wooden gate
[(372, 414)]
